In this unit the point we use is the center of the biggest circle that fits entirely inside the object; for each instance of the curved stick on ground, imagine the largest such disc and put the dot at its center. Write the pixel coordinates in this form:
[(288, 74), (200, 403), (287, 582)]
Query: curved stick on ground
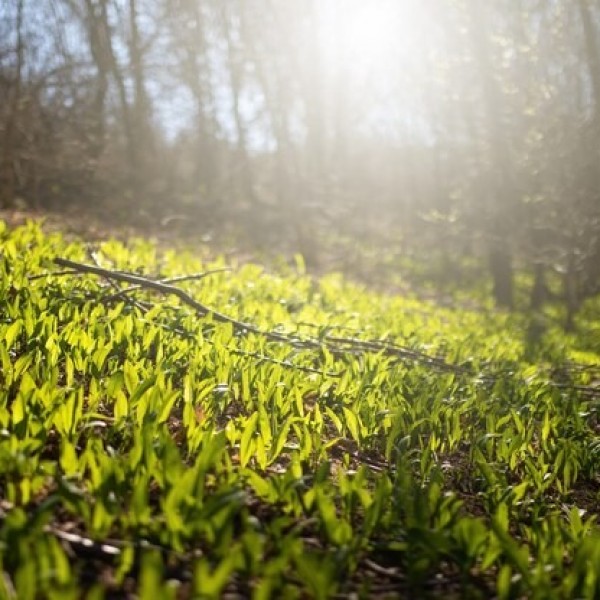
[(166, 288)]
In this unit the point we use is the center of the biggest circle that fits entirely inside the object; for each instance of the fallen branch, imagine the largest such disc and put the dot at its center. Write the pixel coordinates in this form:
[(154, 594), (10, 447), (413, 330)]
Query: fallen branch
[(167, 288), (338, 346), (169, 281)]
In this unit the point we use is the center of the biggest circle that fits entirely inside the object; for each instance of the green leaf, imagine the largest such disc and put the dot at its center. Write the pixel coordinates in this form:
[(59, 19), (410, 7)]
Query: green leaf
[(142, 388), (68, 458), (151, 575), (209, 582), (121, 408), (10, 335), (352, 423), (246, 445), (503, 582), (130, 374), (115, 383), (280, 441)]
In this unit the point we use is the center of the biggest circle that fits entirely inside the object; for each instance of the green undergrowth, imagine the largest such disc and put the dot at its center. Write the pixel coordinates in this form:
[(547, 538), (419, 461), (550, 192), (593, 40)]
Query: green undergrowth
[(344, 443)]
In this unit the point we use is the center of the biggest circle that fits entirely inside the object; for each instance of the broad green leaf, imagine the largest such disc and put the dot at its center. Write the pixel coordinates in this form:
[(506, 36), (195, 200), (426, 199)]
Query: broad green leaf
[(246, 446)]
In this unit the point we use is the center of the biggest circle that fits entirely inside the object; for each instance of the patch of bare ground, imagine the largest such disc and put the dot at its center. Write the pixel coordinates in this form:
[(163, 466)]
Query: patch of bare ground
[(207, 240), (94, 226)]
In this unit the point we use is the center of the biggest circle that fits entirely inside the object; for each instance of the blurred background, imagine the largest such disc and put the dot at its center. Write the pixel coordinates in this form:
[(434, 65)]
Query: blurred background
[(462, 133)]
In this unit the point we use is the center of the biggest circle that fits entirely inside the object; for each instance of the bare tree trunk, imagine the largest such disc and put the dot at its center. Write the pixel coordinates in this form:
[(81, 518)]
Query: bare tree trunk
[(141, 143), (499, 188), (235, 65), (9, 157), (141, 103), (270, 82), (571, 292), (592, 49), (196, 66), (107, 62), (98, 50), (539, 291)]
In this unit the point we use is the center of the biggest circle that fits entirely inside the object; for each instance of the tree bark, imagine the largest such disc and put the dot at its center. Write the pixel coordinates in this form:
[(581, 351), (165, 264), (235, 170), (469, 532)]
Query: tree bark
[(8, 159), (592, 50), (498, 188), (98, 50), (107, 63), (235, 64)]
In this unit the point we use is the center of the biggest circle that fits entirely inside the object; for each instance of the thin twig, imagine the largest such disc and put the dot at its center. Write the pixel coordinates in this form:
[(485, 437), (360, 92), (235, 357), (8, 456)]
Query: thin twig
[(51, 274), (171, 280), (329, 342), (392, 573), (94, 256), (391, 349), (334, 344), (165, 288)]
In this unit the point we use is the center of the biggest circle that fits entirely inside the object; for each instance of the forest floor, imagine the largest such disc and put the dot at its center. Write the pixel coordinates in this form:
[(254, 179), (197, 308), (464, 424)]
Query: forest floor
[(335, 255), (91, 225), (302, 436)]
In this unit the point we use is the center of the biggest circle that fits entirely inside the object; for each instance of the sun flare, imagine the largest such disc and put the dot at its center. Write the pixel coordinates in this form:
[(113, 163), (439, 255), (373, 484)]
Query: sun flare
[(370, 37)]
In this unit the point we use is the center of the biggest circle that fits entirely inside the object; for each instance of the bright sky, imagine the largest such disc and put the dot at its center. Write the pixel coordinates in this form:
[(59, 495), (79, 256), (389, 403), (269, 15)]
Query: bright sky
[(372, 53)]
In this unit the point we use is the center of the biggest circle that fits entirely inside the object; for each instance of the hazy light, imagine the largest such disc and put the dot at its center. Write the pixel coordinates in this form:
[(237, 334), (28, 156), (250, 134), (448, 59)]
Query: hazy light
[(368, 35), (378, 37), (372, 58)]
